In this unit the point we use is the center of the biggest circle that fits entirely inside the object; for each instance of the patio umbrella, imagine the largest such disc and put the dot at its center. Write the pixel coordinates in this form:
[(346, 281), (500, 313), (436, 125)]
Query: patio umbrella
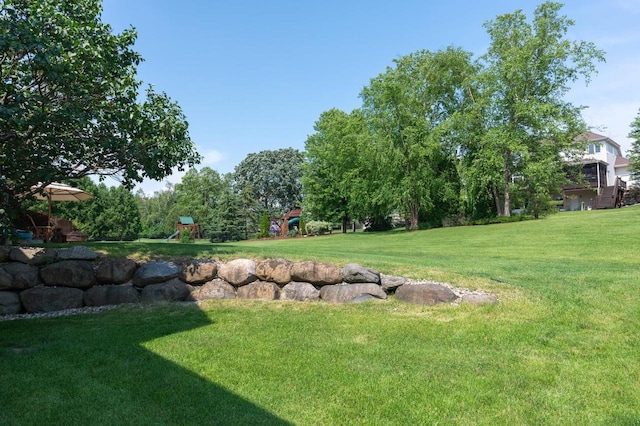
[(58, 192)]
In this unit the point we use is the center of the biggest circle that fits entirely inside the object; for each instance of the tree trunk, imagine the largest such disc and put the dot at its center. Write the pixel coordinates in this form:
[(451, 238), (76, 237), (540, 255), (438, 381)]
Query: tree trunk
[(507, 202), (345, 224), (413, 214), (496, 200)]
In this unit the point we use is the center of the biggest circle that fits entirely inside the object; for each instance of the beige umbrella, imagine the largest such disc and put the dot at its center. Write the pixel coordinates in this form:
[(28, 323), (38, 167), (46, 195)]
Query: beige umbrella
[(58, 192)]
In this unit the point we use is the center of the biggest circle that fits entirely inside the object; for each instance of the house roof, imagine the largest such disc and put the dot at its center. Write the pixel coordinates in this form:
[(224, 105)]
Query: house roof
[(293, 213), (621, 161), (595, 137)]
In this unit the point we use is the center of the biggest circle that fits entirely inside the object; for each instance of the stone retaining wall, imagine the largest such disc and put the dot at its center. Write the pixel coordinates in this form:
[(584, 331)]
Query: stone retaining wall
[(35, 280)]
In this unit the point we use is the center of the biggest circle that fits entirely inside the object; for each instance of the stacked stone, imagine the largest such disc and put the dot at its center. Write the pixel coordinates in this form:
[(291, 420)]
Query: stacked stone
[(36, 280)]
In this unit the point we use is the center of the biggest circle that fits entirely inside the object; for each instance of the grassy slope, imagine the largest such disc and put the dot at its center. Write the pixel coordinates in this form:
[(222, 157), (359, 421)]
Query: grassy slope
[(562, 347)]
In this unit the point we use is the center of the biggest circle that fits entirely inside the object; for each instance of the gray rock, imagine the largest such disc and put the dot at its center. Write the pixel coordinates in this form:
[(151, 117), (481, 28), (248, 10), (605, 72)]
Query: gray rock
[(171, 291), (69, 273), (275, 270), (478, 299), (259, 290), (77, 253), (33, 255), (425, 294), (9, 303), (238, 272), (18, 276), (199, 271), (354, 273), (316, 273), (390, 283), (4, 253), (365, 297), (342, 293), (214, 289), (115, 271), (300, 292), (155, 272), (50, 299), (103, 295)]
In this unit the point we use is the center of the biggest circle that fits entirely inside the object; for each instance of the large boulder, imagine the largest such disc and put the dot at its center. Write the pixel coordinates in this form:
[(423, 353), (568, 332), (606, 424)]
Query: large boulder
[(155, 272), (77, 253), (275, 270), (214, 289), (102, 295), (478, 299), (50, 299), (171, 291), (316, 273), (354, 273), (115, 271), (425, 294), (300, 292), (9, 303), (4, 254), (33, 255), (69, 273), (259, 290), (342, 293), (18, 276), (199, 271), (390, 283), (238, 272)]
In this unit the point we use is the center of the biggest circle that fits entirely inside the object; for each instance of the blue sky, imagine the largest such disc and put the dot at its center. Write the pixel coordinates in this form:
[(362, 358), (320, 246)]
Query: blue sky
[(252, 75)]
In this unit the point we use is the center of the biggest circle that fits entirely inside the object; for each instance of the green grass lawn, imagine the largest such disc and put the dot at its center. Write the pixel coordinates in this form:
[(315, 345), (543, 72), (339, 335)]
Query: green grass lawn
[(562, 347)]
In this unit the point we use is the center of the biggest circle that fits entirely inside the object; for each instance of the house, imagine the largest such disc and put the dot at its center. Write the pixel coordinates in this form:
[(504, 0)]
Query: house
[(605, 174)]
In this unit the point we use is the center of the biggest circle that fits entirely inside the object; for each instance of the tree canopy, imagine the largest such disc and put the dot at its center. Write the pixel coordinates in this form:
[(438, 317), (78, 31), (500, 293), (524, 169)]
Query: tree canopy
[(635, 148), (273, 177), (69, 101), (525, 120)]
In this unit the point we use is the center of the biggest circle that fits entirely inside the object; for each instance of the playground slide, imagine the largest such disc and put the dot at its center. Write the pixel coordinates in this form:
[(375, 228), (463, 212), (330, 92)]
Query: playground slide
[(292, 222), (166, 240)]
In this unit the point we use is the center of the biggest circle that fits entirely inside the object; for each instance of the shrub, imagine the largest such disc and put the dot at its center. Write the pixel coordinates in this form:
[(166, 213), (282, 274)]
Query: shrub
[(316, 227), (264, 225), (185, 236)]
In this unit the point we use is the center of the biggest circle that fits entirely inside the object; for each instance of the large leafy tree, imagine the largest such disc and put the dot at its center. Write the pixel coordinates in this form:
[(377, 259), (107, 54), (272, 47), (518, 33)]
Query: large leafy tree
[(274, 178), (196, 194), (69, 101), (526, 122), (634, 154), (334, 167), (409, 108)]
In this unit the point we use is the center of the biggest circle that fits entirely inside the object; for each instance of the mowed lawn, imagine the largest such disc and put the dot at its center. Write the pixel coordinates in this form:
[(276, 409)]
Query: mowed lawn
[(562, 346)]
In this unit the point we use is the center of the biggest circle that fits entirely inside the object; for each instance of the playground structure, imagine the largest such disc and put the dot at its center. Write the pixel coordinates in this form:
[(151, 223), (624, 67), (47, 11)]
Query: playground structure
[(290, 221), (186, 222)]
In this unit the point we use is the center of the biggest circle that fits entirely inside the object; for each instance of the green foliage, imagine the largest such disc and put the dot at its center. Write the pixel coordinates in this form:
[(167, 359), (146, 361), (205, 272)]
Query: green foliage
[(634, 153), (67, 77), (302, 226), (111, 214), (264, 225), (317, 227), (197, 194), (521, 122), (185, 236), (336, 168), (226, 221), (409, 108), (273, 177)]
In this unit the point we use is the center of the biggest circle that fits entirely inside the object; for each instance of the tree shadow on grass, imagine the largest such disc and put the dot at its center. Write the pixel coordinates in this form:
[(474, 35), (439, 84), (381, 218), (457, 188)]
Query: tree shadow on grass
[(93, 369)]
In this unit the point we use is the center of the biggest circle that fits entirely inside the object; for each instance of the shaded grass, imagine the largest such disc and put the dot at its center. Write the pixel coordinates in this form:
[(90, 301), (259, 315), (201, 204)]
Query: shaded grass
[(562, 347)]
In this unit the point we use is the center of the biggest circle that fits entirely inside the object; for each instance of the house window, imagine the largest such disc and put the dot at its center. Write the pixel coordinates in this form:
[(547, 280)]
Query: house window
[(611, 150), (594, 148)]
